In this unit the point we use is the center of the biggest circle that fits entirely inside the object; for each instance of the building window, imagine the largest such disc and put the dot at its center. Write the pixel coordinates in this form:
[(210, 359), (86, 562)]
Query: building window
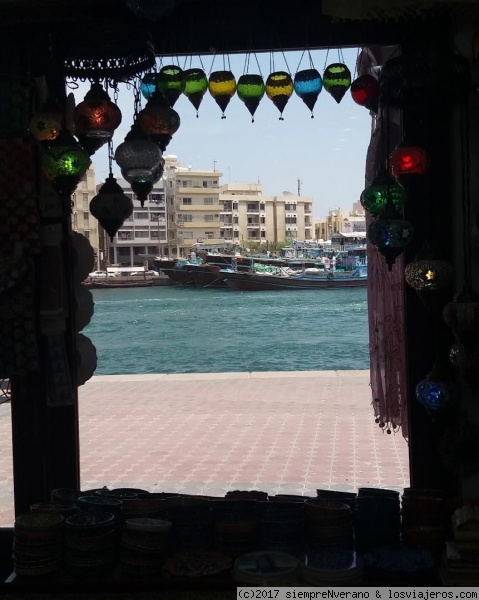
[(140, 215), (185, 218), (188, 235), (263, 234), (86, 217), (235, 220), (208, 201), (210, 235), (142, 234), (86, 233), (236, 234), (252, 206), (157, 198), (262, 220), (186, 201), (205, 184), (209, 218)]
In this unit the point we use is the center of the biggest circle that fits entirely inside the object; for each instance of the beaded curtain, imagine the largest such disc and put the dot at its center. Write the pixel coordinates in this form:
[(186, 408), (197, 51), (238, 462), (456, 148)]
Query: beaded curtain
[(385, 289)]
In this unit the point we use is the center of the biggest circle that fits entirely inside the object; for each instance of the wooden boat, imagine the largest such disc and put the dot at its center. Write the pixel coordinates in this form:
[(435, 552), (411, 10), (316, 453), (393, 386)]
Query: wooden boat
[(251, 281), (108, 284)]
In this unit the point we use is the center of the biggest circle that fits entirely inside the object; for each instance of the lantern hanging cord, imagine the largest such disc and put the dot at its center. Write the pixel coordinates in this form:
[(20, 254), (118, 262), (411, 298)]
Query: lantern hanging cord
[(326, 60), (311, 64), (110, 156), (300, 59)]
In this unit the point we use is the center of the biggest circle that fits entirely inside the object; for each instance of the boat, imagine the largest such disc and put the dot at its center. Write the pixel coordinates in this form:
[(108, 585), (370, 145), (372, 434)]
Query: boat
[(108, 284), (287, 280)]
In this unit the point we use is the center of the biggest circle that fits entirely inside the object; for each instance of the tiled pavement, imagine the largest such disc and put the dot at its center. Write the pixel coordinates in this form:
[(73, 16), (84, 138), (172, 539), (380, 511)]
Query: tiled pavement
[(281, 432)]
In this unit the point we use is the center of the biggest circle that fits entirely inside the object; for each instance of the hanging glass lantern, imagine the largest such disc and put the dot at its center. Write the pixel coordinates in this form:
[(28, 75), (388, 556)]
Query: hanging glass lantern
[(138, 156), (45, 124), (222, 86), (337, 80), (365, 91), (148, 85), (308, 85), (111, 206), (97, 116), (279, 89), (407, 163), (390, 233), (382, 192), (428, 274), (64, 162), (158, 120), (435, 393), (171, 83), (196, 85), (142, 186), (250, 90)]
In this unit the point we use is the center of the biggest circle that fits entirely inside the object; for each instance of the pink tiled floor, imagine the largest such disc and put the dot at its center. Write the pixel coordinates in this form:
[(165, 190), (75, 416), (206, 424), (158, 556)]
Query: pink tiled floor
[(206, 434)]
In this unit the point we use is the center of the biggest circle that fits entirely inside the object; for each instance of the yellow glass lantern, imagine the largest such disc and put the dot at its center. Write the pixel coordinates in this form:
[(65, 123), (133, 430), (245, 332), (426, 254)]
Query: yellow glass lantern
[(279, 89), (222, 86)]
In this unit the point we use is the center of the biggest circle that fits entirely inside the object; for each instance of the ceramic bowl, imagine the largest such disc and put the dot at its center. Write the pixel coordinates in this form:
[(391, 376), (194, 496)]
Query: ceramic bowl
[(100, 503)]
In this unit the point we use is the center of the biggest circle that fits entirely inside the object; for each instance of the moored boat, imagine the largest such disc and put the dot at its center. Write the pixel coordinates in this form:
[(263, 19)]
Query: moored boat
[(251, 281)]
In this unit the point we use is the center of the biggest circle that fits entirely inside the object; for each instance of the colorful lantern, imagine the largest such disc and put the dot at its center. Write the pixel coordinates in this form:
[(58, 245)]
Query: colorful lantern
[(158, 120), (45, 124), (382, 192), (435, 393), (365, 91), (97, 116), (171, 83), (408, 163), (279, 89), (222, 86), (91, 144), (308, 85), (111, 206), (138, 156), (196, 85), (428, 274), (148, 85), (390, 233), (337, 80), (65, 162), (250, 90)]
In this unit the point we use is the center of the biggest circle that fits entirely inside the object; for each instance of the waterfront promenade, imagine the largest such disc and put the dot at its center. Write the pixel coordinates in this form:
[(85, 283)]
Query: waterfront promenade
[(207, 433)]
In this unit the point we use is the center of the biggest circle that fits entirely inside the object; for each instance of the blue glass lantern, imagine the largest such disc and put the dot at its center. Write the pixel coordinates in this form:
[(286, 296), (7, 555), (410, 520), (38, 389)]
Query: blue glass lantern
[(436, 392), (148, 85), (308, 85), (390, 233)]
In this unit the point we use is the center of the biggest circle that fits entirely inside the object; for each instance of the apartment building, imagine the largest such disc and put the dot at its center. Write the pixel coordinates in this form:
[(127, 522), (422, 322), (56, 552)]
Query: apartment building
[(193, 207), (142, 235), (249, 215), (341, 221), (82, 220)]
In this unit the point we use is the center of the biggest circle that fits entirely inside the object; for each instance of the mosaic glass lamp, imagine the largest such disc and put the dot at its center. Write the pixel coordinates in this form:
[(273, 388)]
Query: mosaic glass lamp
[(196, 86), (111, 206), (390, 233), (337, 80), (365, 91), (148, 85), (97, 116), (250, 90), (45, 125), (436, 392), (308, 84), (64, 162), (222, 86), (382, 191), (428, 274), (279, 89), (138, 156), (171, 83), (158, 120), (408, 163)]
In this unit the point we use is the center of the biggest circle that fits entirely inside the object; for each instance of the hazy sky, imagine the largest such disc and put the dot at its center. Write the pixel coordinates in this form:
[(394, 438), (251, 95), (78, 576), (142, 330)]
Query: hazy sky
[(326, 153)]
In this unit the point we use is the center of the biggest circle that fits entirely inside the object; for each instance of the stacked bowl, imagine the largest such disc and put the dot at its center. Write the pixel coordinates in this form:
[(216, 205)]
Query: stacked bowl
[(331, 567), (235, 525), (90, 542), (144, 545), (37, 543), (282, 524), (377, 518), (328, 523)]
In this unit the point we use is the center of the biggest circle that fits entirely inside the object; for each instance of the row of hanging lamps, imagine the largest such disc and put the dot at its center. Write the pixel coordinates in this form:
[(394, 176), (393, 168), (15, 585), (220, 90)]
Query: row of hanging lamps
[(111, 206)]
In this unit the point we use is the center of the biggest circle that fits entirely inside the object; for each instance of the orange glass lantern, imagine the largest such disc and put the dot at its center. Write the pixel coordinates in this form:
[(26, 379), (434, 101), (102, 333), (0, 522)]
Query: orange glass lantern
[(158, 120), (97, 116), (45, 125)]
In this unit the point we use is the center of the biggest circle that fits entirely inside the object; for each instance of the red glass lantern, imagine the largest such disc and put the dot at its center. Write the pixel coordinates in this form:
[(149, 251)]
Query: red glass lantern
[(408, 163), (158, 120), (97, 116), (365, 92)]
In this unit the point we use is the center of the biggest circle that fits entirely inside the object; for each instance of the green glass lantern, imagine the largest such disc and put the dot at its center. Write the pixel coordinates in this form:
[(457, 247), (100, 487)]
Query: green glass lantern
[(222, 86), (64, 162), (45, 125), (337, 80), (196, 85), (383, 190), (279, 89), (171, 83), (250, 90), (158, 120)]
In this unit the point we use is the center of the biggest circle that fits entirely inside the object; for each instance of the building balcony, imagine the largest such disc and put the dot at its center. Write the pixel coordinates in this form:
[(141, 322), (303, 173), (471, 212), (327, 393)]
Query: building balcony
[(206, 208), (198, 190)]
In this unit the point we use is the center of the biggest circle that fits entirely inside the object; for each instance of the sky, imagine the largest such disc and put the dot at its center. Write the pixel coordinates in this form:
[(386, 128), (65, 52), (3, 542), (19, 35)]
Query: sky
[(326, 154)]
